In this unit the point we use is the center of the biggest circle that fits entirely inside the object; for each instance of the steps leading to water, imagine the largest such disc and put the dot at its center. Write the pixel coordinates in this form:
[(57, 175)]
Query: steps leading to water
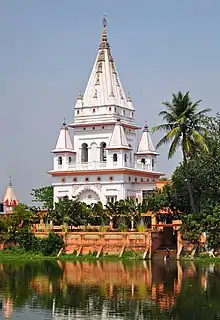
[(160, 253)]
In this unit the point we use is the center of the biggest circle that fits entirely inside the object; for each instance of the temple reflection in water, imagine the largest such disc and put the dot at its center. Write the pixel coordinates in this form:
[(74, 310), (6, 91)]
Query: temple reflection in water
[(71, 289)]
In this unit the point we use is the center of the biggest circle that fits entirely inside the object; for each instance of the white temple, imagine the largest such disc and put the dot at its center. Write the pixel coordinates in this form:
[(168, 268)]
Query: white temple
[(10, 200), (97, 157)]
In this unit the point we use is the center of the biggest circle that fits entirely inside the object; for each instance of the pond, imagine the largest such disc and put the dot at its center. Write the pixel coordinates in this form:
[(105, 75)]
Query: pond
[(109, 290)]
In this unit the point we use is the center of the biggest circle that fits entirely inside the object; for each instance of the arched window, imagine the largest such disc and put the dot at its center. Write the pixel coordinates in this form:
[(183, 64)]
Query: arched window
[(110, 109), (153, 164), (102, 152), (143, 161), (84, 152), (60, 161), (115, 157), (125, 157), (77, 111), (124, 112), (70, 159)]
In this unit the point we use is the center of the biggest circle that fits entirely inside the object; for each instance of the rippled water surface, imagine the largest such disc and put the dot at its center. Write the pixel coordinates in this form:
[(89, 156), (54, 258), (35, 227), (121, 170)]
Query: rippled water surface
[(109, 290)]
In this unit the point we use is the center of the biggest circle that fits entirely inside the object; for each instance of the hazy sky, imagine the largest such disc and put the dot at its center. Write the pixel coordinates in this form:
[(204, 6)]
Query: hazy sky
[(47, 49)]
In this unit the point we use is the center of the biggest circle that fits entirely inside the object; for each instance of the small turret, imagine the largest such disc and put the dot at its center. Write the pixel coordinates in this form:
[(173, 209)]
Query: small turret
[(146, 145), (64, 154), (118, 150), (118, 138), (146, 153), (64, 143)]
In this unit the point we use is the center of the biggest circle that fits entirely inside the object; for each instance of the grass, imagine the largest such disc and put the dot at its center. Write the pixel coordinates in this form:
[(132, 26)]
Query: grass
[(19, 254), (16, 254), (128, 255), (201, 258)]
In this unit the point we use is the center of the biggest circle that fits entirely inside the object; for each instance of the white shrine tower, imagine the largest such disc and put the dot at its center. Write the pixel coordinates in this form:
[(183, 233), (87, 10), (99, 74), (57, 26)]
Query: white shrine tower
[(10, 200), (97, 157)]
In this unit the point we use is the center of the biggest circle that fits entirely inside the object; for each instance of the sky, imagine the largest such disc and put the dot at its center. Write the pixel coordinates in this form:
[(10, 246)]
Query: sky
[(47, 50)]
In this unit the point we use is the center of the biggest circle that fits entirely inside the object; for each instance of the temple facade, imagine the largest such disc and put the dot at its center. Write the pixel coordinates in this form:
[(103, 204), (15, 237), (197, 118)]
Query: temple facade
[(97, 157)]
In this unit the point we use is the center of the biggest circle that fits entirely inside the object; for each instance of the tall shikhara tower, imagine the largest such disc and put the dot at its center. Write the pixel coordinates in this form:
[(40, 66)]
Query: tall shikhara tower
[(96, 157)]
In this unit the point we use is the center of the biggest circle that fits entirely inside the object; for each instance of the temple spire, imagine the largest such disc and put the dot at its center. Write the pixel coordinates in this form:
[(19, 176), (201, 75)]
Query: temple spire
[(104, 42), (104, 88), (10, 200)]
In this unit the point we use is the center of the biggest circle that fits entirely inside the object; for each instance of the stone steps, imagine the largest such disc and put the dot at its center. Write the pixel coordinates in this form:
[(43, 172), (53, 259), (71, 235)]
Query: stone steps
[(160, 254)]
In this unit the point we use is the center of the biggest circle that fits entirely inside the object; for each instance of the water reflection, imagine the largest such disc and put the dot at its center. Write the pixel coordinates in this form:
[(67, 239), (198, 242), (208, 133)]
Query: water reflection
[(110, 290)]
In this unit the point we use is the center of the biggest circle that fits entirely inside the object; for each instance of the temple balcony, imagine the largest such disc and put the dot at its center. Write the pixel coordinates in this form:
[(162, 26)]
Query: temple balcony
[(97, 165)]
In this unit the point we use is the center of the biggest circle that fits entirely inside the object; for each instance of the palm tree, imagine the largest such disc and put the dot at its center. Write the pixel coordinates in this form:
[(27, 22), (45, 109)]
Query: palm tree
[(112, 211), (184, 127), (133, 209)]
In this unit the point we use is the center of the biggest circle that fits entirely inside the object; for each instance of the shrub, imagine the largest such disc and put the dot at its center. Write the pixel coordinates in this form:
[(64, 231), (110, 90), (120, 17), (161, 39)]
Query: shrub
[(51, 245), (123, 227), (27, 240), (141, 227), (103, 229)]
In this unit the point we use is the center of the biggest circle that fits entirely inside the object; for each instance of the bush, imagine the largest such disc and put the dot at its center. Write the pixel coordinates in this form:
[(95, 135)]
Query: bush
[(27, 240), (141, 227), (123, 227), (51, 245), (103, 229)]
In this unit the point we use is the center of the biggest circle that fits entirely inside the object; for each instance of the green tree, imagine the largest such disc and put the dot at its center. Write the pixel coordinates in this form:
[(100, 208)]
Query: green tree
[(44, 195), (184, 127), (133, 208), (112, 211), (96, 214), (62, 214)]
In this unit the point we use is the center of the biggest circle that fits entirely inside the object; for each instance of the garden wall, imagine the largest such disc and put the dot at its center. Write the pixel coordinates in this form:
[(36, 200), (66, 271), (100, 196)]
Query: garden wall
[(105, 242)]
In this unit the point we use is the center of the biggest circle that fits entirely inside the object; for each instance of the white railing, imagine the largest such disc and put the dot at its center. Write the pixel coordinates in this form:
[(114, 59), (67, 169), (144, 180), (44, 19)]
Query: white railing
[(142, 166), (95, 165), (88, 166)]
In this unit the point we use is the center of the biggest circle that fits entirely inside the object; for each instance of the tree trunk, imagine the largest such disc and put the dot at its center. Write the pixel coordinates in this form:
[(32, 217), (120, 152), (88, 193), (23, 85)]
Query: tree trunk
[(132, 223), (189, 186)]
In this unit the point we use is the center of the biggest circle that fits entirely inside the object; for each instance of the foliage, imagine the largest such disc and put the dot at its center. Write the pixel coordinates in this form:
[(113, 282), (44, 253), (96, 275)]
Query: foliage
[(16, 229), (103, 229), (123, 227), (141, 227), (27, 241), (51, 245), (43, 195), (185, 128), (204, 171)]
